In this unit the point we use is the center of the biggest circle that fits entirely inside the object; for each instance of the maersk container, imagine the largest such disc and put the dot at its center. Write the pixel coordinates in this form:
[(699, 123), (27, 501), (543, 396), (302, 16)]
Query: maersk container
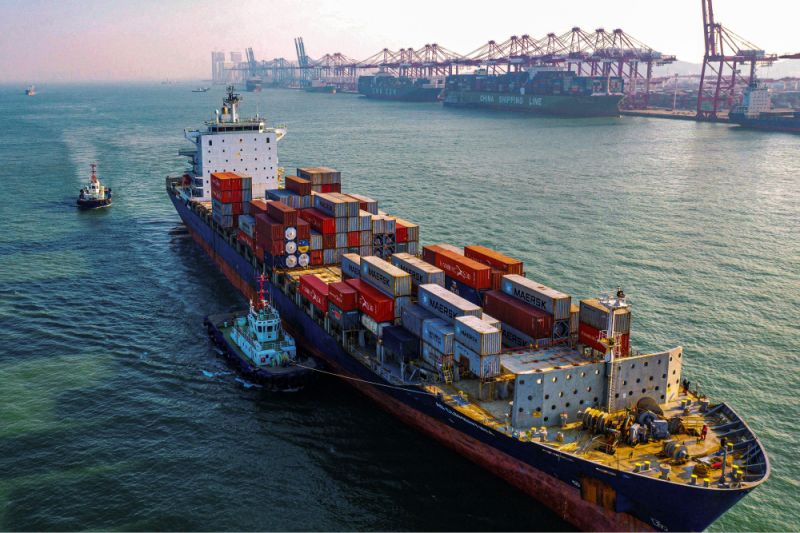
[(353, 224), (385, 277), (413, 248), (401, 343), (248, 225), (316, 240), (486, 366), (351, 266), (526, 318), (440, 334), (374, 326), (477, 335), (444, 303), (346, 320), (330, 205), (413, 317), (465, 291), (595, 314), (366, 203), (401, 303), (364, 251), (514, 338), (421, 272), (432, 356), (537, 295)]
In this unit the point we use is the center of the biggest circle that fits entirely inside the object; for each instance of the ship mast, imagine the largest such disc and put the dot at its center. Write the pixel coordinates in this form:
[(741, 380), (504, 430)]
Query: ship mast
[(94, 175), (612, 342)]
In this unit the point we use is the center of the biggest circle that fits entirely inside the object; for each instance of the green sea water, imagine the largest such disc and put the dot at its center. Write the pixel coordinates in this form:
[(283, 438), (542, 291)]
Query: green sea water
[(108, 422)]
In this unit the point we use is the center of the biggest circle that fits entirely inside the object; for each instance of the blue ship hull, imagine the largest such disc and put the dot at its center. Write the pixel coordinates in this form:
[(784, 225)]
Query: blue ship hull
[(581, 492)]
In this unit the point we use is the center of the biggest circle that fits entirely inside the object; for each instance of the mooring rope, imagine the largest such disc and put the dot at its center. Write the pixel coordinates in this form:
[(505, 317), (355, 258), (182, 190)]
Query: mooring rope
[(364, 380)]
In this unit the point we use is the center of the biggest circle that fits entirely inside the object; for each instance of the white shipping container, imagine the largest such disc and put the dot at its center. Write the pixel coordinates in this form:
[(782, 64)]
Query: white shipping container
[(487, 366), (375, 327), (420, 271), (385, 277), (477, 335), (444, 303), (537, 295), (492, 321)]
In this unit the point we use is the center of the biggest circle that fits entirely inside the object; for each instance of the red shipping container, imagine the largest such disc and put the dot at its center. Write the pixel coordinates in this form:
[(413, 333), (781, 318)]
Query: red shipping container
[(519, 315), (225, 181), (494, 259), (343, 296), (331, 187), (227, 197), (303, 230), (275, 248), (318, 220), (497, 279), (282, 213), (315, 290), (316, 257), (259, 251), (268, 230), (258, 207), (246, 239), (590, 336), (430, 252), (401, 232), (353, 238), (466, 270), (298, 185), (329, 241), (372, 301)]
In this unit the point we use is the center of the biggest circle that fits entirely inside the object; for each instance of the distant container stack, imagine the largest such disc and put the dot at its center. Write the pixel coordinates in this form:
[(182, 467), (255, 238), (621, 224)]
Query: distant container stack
[(231, 193)]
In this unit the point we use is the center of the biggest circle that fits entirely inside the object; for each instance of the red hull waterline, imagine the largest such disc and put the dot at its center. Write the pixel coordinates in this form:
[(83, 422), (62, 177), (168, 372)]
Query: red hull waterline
[(561, 498)]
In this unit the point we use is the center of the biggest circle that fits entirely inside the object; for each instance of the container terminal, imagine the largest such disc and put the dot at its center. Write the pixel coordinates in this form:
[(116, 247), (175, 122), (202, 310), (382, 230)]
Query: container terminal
[(545, 391), (728, 69)]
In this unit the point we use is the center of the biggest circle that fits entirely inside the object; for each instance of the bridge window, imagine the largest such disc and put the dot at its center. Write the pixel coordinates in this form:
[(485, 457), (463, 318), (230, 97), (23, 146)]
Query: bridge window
[(210, 142)]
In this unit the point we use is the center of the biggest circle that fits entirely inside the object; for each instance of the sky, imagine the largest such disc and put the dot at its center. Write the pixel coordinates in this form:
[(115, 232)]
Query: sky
[(116, 40)]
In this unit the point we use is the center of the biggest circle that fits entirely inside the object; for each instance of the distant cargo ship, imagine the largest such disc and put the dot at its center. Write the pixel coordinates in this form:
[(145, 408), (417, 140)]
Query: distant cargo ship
[(253, 85), (538, 90), (540, 389), (31, 91), (756, 112), (319, 86), (387, 87)]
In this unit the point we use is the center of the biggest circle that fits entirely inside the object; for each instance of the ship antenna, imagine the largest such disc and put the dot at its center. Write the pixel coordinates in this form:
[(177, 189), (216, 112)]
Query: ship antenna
[(94, 175), (261, 297)]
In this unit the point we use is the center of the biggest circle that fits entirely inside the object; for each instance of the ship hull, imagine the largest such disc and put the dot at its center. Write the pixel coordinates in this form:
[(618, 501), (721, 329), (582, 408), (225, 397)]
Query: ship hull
[(402, 94), (93, 204), (783, 124), (581, 492), (557, 105)]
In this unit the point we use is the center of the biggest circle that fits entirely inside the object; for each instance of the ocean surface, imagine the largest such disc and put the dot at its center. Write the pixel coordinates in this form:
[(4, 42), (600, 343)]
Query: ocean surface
[(108, 421)]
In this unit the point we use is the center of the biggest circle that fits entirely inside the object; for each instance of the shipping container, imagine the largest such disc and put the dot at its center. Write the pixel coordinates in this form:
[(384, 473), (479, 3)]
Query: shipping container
[(244, 238), (373, 302), (595, 314), (367, 204), (444, 303), (434, 357), (341, 225), (413, 248), (258, 206), (492, 321), (537, 295), (364, 238), (224, 181), (400, 303), (497, 279), (329, 241), (315, 257), (315, 290), (574, 319), (303, 230), (485, 367), (315, 241), (413, 316), (298, 185), (282, 213), (226, 209), (346, 320), (248, 225), (514, 338), (268, 230), (343, 295), (364, 251), (440, 334), (421, 272), (477, 335), (494, 259), (320, 175), (529, 320), (465, 291), (401, 343), (354, 238), (378, 223), (226, 221), (330, 205), (319, 220), (590, 336), (342, 240), (385, 277), (351, 266), (464, 270), (364, 221), (375, 327), (228, 197)]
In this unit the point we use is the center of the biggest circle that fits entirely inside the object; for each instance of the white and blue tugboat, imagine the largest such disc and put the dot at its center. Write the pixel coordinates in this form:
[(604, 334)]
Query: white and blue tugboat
[(95, 194), (259, 346)]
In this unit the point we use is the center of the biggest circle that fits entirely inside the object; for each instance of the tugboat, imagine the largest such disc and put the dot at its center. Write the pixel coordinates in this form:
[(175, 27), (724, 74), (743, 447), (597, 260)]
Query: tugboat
[(30, 91), (95, 194), (258, 345)]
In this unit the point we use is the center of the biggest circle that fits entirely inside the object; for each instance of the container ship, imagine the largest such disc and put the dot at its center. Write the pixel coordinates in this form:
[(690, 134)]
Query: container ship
[(387, 87), (541, 90), (756, 112), (461, 343)]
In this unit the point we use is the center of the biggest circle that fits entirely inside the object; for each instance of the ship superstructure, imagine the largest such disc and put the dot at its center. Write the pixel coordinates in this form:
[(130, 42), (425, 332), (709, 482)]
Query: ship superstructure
[(231, 143), (545, 392)]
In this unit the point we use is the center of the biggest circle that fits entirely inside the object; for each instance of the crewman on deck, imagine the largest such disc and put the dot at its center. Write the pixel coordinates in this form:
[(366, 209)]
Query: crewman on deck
[(704, 432)]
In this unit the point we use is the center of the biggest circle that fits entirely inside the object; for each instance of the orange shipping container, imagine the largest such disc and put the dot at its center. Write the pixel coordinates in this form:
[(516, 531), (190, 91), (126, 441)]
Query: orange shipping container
[(463, 269), (494, 259)]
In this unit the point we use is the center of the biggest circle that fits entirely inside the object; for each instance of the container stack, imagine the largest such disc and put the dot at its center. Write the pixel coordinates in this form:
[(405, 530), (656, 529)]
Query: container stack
[(500, 264), (231, 193), (283, 239), (463, 276), (323, 179), (594, 319), (343, 306), (552, 302), (477, 346), (349, 228), (422, 273)]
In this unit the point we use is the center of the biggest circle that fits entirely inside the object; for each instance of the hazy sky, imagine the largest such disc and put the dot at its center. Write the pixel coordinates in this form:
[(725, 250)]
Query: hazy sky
[(52, 40)]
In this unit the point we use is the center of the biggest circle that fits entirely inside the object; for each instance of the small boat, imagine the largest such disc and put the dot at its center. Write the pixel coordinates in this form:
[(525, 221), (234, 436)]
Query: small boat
[(95, 194), (200, 90), (256, 343), (31, 91)]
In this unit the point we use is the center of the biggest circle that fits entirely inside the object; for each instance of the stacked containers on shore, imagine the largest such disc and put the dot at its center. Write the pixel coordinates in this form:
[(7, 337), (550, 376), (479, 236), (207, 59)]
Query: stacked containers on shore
[(231, 193), (550, 301), (594, 320)]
